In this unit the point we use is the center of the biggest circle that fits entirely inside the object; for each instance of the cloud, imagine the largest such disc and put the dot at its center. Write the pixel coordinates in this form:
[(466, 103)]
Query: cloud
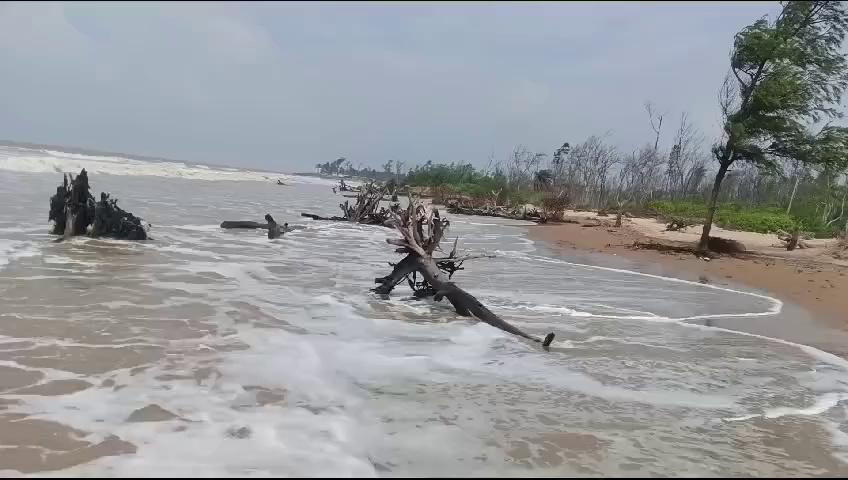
[(287, 85)]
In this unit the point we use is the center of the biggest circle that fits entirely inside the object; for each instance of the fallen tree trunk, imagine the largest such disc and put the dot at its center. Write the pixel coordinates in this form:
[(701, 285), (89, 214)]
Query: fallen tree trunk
[(74, 212), (436, 272), (274, 229), (242, 224), (318, 217)]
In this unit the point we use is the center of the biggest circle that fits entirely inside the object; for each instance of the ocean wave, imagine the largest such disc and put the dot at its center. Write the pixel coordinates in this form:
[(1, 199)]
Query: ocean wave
[(51, 161)]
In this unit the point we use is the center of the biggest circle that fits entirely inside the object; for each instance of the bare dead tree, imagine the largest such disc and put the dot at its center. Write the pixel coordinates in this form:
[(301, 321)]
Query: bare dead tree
[(656, 122), (419, 248), (685, 154), (522, 165)]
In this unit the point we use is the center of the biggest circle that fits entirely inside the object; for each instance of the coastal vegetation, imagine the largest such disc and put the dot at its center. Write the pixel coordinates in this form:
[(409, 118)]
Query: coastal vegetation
[(779, 164)]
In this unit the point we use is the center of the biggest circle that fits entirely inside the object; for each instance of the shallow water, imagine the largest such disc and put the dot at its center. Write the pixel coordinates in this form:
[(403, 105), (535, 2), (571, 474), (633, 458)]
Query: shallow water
[(214, 352)]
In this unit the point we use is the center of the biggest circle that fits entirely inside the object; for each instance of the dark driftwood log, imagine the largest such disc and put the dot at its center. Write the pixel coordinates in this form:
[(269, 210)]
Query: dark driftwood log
[(73, 210), (275, 230), (318, 217), (242, 224), (419, 259)]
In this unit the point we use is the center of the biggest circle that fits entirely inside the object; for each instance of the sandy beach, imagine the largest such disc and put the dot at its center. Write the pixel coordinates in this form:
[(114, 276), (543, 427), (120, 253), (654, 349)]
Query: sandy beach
[(807, 278)]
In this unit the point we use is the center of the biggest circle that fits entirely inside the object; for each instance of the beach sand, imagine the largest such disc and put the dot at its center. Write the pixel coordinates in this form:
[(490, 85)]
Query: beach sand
[(813, 286)]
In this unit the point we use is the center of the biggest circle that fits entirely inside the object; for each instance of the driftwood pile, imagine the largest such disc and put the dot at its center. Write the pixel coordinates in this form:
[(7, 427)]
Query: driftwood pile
[(344, 187), (74, 212), (533, 215), (366, 210), (679, 223), (419, 248)]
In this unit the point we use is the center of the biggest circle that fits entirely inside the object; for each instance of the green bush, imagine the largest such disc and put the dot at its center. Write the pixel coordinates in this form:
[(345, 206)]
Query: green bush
[(731, 216)]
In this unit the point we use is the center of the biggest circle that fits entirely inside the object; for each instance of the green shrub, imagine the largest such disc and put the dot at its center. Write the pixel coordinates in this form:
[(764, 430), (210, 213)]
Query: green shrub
[(730, 216)]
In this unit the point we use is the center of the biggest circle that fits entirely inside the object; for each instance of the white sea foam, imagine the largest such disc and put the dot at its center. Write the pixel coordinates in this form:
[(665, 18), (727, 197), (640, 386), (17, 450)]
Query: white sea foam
[(822, 404), (11, 250), (49, 161), (774, 309)]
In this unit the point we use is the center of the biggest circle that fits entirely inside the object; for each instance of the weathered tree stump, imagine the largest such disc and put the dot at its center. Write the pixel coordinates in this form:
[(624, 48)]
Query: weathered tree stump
[(795, 239), (74, 212), (274, 230), (110, 220)]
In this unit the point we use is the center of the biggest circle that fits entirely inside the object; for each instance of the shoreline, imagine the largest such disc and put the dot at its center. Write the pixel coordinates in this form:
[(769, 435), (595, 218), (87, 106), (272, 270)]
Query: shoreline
[(814, 294)]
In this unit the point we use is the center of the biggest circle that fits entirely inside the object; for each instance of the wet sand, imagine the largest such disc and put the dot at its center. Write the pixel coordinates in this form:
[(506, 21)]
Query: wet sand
[(815, 294)]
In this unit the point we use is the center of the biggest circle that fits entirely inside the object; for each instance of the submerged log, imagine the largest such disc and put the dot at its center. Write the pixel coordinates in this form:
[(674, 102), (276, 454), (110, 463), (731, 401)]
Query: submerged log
[(275, 230), (242, 224), (318, 217), (74, 212), (436, 273)]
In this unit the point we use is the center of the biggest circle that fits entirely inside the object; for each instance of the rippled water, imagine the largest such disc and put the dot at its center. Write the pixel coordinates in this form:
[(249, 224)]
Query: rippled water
[(206, 351)]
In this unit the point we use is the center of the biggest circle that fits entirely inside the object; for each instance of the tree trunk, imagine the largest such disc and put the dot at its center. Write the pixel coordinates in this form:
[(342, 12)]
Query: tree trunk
[(77, 214), (792, 196), (792, 244), (703, 244)]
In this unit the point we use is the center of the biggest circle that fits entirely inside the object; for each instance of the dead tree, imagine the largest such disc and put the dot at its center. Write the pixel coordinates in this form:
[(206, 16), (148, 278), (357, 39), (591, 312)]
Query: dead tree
[(75, 212), (436, 272), (366, 210)]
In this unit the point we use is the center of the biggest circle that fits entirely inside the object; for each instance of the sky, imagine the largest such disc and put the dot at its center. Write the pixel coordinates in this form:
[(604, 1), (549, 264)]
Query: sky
[(284, 86)]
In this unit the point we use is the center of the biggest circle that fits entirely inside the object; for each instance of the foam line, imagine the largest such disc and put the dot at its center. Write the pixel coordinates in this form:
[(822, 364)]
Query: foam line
[(776, 308)]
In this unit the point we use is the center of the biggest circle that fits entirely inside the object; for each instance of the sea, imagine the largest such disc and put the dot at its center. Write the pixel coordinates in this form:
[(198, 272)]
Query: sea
[(212, 352)]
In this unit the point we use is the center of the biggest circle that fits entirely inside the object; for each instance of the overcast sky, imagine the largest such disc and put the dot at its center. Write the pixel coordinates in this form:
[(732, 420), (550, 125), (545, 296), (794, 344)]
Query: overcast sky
[(284, 86)]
